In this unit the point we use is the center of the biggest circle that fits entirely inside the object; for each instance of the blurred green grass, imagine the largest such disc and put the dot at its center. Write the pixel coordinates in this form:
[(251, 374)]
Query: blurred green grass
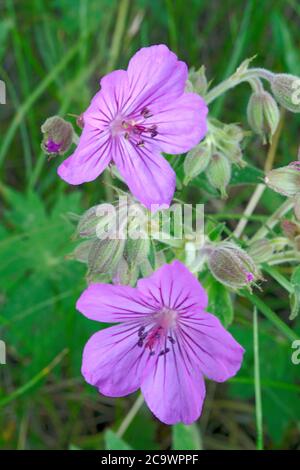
[(52, 55)]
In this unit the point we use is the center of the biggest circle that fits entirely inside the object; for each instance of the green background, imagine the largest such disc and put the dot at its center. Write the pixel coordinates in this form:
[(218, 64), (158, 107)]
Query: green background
[(52, 55)]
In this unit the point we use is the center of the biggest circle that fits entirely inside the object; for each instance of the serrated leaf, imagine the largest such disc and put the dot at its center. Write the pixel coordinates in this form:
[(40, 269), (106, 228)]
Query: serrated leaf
[(186, 437), (114, 442)]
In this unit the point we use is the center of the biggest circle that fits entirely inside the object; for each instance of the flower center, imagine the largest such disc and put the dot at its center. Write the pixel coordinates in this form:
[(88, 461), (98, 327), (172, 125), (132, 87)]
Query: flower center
[(161, 333), (134, 128)]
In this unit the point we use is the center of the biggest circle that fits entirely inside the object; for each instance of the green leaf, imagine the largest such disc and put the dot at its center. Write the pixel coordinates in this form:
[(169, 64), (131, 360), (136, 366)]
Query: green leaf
[(114, 442), (220, 303), (247, 175), (186, 437)]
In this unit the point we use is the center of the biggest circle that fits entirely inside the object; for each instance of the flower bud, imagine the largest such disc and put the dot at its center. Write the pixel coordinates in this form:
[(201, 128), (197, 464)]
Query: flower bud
[(81, 252), (197, 78), (263, 114), (105, 255), (232, 150), (234, 132), (286, 89), (136, 251), (58, 136), (232, 266), (123, 275), (218, 172), (284, 180), (196, 161), (96, 220)]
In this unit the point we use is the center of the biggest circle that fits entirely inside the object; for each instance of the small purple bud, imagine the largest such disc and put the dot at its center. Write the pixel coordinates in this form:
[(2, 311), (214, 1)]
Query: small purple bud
[(52, 147), (57, 136)]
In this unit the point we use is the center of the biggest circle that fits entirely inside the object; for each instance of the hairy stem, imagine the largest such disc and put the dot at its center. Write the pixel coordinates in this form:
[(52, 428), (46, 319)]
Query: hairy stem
[(236, 79)]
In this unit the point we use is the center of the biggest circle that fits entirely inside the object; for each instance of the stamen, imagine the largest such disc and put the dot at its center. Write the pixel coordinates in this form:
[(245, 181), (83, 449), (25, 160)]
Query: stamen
[(146, 113), (141, 143), (141, 331), (153, 130), (164, 351)]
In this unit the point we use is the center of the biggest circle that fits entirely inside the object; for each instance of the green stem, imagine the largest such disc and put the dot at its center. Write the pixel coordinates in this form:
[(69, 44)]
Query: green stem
[(257, 385)]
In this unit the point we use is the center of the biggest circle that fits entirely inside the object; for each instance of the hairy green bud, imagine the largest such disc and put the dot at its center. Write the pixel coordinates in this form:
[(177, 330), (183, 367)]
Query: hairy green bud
[(104, 256), (286, 89), (263, 114), (81, 252), (234, 132), (232, 266), (196, 161), (137, 251), (218, 172), (284, 180), (96, 221)]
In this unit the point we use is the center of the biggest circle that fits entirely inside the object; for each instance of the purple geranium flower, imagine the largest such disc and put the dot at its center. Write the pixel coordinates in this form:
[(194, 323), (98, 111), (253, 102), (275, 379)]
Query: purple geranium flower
[(165, 343), (136, 115)]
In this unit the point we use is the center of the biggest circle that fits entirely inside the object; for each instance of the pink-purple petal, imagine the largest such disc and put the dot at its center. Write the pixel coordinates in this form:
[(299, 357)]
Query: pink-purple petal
[(174, 388), (181, 123), (112, 304), (155, 74), (173, 285), (90, 158), (148, 175), (207, 342), (113, 362)]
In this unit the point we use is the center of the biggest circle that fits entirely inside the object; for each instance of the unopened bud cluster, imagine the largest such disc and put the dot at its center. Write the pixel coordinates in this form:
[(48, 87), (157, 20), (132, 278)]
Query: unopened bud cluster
[(215, 155), (109, 251)]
